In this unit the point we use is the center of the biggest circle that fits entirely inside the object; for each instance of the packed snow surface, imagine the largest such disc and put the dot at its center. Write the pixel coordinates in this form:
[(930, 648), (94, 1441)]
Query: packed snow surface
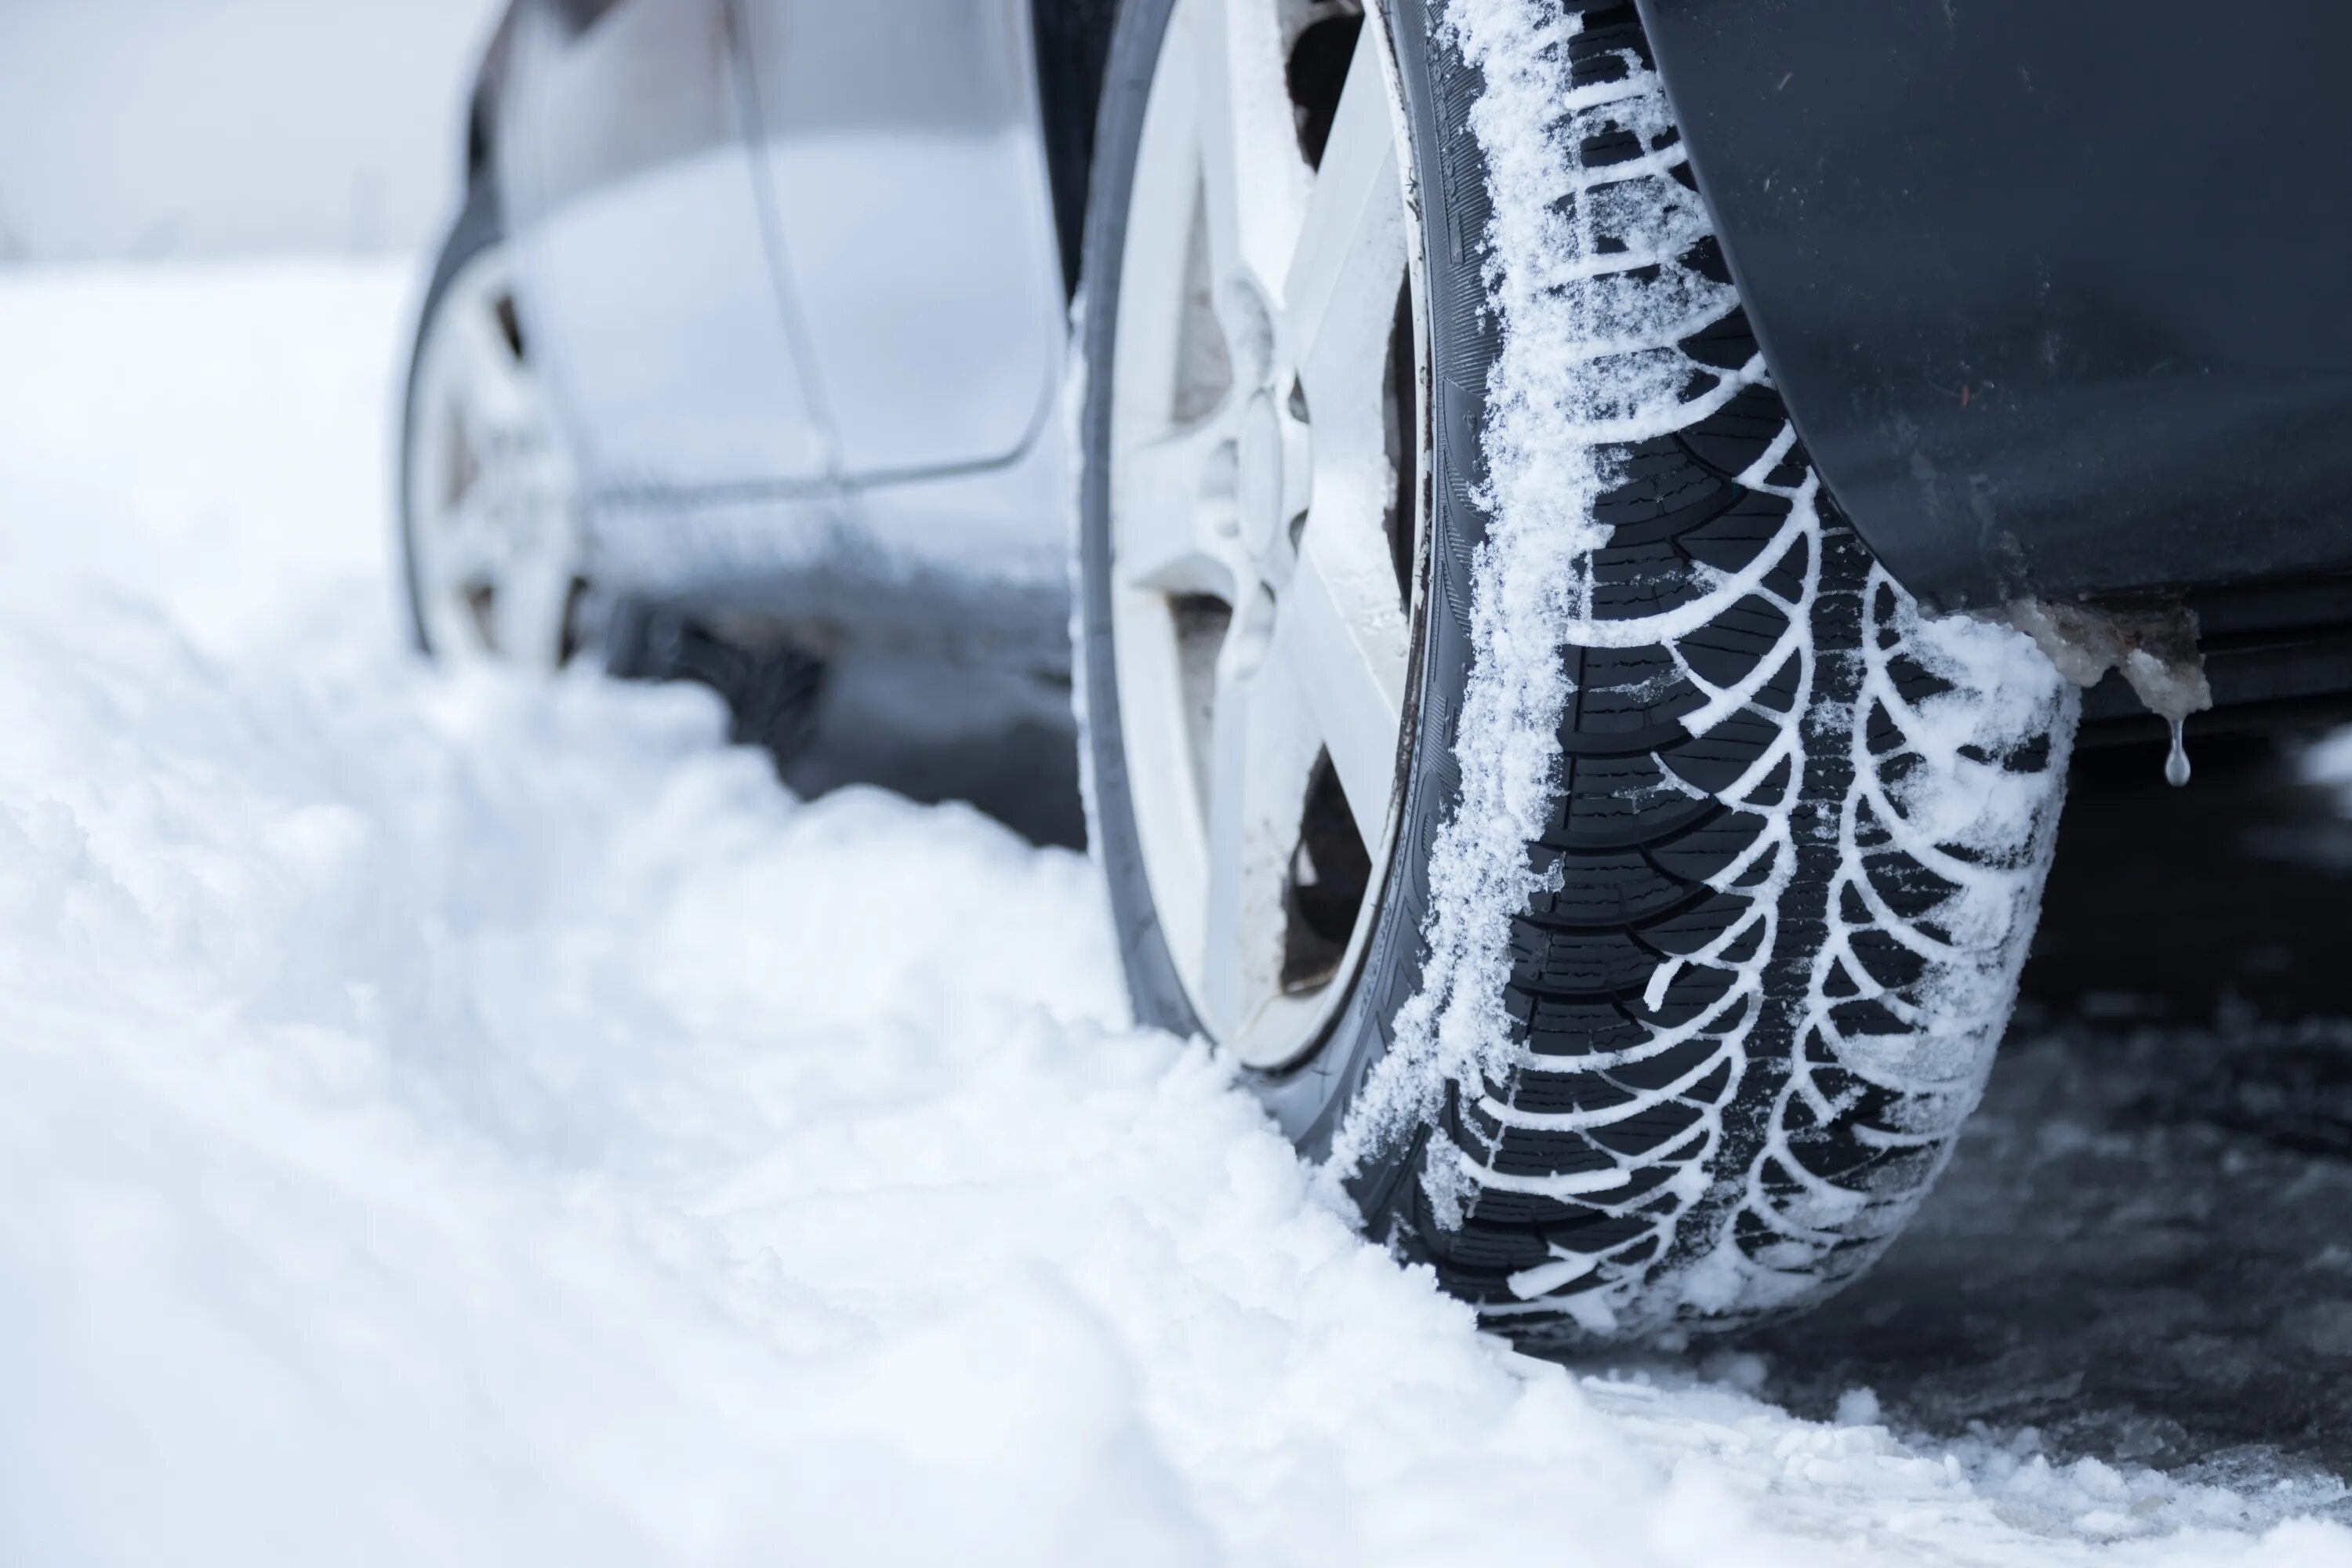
[(454, 1120)]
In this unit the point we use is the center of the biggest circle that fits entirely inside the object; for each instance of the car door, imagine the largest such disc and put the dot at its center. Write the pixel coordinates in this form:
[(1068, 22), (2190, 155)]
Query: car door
[(644, 268), (897, 142)]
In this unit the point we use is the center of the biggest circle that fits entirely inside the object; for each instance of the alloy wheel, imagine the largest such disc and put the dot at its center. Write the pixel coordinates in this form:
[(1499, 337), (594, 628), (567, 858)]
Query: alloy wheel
[(492, 526), (1264, 526)]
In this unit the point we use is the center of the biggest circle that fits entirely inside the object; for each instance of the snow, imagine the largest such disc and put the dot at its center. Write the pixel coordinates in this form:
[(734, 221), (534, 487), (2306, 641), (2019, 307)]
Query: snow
[(465, 1121), (2155, 652), (2328, 763)]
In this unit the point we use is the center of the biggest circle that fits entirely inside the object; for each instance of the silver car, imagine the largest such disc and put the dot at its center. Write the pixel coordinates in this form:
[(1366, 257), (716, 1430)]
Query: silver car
[(1534, 773)]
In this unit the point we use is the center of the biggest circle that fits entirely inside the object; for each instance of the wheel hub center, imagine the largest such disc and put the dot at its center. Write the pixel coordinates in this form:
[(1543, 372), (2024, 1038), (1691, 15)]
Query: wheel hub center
[(1260, 479)]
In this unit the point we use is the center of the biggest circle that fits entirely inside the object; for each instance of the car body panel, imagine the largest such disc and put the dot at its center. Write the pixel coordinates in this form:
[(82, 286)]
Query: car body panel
[(971, 565), (2053, 292), (792, 273), (795, 271), (642, 264), (901, 146)]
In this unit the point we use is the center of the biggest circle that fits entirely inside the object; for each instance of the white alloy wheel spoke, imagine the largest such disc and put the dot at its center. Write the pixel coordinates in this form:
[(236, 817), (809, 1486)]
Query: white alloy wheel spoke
[(468, 542), (498, 394), (1174, 512), (1346, 637), (1252, 179), (1342, 604), (532, 602), (1263, 749), (1339, 295)]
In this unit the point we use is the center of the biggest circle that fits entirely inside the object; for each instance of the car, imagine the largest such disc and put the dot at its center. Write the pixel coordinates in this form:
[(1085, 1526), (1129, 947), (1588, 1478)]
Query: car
[(1578, 532)]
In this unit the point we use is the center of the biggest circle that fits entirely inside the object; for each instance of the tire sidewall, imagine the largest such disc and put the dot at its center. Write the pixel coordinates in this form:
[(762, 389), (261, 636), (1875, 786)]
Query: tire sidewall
[(1310, 1099)]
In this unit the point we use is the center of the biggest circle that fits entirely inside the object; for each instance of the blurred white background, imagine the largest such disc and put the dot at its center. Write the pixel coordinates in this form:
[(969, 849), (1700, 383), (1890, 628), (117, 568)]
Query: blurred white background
[(146, 128)]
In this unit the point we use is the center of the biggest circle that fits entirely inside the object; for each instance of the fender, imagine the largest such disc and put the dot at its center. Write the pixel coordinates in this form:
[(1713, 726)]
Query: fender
[(482, 104), (2054, 292)]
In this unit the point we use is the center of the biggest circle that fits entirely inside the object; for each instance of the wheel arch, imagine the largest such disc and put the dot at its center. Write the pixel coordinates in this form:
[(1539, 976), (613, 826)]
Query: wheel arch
[(1996, 258), (482, 100)]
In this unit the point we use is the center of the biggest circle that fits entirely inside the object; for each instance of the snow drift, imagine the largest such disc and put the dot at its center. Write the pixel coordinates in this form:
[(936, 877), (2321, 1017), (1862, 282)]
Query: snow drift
[(456, 1120)]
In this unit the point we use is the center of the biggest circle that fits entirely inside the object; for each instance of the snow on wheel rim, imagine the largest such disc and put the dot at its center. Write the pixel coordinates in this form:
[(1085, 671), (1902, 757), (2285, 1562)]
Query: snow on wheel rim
[(492, 526), (1265, 517)]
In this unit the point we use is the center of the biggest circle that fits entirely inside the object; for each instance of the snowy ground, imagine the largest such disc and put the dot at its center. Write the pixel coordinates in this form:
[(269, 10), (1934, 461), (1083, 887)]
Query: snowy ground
[(460, 1122)]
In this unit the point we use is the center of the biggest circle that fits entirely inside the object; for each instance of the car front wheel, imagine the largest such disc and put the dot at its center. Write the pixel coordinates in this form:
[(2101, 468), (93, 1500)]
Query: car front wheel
[(489, 530), (1501, 747)]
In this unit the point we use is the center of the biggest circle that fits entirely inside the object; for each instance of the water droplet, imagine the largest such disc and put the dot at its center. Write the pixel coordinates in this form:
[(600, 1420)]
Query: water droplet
[(2175, 766)]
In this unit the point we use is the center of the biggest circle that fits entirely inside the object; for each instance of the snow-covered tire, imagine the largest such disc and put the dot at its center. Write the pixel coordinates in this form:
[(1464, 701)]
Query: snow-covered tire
[(1713, 862)]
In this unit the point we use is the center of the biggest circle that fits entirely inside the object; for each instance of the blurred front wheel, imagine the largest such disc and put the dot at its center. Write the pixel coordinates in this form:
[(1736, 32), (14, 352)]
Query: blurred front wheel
[(489, 524)]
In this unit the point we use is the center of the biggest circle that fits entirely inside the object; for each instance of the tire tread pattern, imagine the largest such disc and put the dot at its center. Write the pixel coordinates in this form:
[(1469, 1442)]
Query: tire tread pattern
[(1762, 985)]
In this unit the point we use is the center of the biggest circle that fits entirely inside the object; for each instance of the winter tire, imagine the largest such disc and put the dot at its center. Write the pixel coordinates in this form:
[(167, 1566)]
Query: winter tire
[(1500, 746), (490, 543)]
